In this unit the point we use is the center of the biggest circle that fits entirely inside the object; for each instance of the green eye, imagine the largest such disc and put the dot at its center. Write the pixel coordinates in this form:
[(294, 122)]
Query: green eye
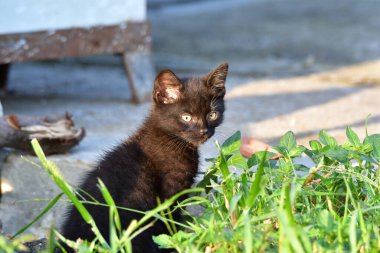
[(186, 117), (213, 115)]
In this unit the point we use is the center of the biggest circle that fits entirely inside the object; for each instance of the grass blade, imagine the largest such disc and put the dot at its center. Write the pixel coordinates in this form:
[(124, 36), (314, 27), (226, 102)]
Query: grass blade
[(66, 188), (248, 238), (256, 185), (49, 206)]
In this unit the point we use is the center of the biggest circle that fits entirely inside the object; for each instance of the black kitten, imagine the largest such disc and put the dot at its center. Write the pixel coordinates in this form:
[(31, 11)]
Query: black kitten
[(160, 160)]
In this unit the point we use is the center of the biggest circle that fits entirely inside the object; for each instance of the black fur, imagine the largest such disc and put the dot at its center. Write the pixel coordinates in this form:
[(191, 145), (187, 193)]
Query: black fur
[(160, 160)]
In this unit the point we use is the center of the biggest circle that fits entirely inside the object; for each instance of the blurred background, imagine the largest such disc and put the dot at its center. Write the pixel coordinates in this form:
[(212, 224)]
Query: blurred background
[(294, 65)]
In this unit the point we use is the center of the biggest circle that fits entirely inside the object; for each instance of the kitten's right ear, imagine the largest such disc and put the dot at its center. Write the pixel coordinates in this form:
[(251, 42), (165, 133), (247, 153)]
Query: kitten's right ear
[(167, 88), (216, 79)]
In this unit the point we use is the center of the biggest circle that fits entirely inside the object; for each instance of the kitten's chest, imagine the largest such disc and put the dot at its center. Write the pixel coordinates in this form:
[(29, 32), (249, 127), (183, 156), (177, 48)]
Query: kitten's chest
[(176, 173), (178, 167)]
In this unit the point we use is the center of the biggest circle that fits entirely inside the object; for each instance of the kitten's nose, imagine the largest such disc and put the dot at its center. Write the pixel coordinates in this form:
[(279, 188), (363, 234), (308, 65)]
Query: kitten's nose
[(203, 131)]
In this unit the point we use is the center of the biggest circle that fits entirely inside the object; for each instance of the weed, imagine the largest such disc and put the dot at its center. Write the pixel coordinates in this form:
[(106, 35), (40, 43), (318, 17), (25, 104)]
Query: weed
[(268, 203)]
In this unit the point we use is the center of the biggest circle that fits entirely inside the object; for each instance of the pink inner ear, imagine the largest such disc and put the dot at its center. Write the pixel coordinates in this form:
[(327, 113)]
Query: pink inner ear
[(171, 95)]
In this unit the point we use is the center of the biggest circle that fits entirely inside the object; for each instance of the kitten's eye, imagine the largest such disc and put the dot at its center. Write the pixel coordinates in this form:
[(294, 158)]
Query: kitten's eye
[(213, 115), (186, 117)]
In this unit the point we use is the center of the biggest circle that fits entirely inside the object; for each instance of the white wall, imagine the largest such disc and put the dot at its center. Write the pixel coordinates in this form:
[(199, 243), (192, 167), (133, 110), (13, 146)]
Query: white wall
[(34, 15)]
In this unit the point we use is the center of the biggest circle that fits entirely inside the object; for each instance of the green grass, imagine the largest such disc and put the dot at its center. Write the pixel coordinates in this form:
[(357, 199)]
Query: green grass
[(264, 205)]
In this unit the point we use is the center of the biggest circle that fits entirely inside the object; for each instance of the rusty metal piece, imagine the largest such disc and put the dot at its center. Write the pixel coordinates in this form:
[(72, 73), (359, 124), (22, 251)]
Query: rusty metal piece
[(128, 36)]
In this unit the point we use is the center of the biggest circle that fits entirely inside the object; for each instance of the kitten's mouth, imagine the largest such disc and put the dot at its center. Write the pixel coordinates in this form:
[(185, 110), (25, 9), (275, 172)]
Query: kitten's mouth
[(202, 139), (198, 141)]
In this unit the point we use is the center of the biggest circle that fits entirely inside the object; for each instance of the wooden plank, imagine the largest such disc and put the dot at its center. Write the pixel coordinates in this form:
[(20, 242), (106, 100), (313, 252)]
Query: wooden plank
[(128, 36)]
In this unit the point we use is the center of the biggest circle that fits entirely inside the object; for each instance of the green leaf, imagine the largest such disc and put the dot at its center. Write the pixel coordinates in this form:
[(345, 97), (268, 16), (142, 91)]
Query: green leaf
[(223, 165), (325, 221), (282, 150), (297, 151), (166, 242), (163, 241), (368, 159), (288, 141), (301, 168), (258, 157), (352, 137), (315, 145), (374, 141), (210, 175), (238, 161), (232, 144), (314, 155), (337, 153), (326, 139)]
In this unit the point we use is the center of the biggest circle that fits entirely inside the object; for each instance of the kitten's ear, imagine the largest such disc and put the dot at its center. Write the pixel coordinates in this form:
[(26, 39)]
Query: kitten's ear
[(217, 78), (167, 88)]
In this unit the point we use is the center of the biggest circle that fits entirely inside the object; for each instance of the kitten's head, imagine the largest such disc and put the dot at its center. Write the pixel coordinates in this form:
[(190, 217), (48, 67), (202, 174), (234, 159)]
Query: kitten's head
[(193, 108)]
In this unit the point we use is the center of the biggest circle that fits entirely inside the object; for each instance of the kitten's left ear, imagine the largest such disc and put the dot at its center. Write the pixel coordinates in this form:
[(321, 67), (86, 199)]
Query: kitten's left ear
[(217, 78), (167, 88)]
